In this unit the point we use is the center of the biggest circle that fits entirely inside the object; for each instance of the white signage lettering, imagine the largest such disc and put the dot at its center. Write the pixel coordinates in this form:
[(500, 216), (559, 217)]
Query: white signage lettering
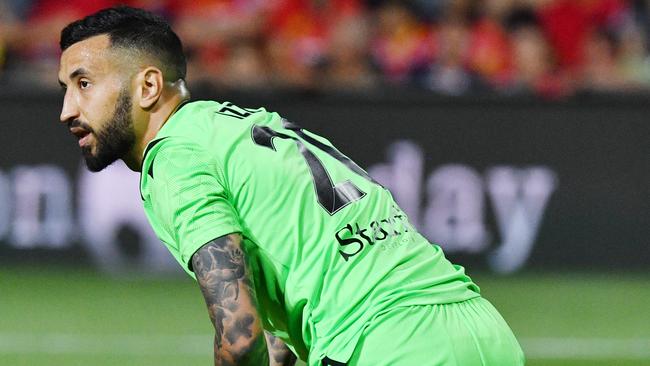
[(454, 216), (5, 205), (36, 209), (519, 198), (108, 202), (42, 207)]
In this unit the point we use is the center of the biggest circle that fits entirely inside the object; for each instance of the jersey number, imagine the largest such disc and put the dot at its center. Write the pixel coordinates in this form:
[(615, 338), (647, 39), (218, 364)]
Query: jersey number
[(231, 110), (330, 196)]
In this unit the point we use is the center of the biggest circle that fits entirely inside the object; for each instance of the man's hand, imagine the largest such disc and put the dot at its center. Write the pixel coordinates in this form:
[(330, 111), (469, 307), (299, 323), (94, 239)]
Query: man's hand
[(279, 353), (224, 277)]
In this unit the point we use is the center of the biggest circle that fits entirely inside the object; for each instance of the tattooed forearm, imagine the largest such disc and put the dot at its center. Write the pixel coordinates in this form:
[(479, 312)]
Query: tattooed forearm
[(222, 273), (279, 353)]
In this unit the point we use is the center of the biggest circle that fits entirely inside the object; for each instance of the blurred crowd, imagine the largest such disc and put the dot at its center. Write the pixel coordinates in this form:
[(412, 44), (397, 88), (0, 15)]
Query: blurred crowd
[(550, 48)]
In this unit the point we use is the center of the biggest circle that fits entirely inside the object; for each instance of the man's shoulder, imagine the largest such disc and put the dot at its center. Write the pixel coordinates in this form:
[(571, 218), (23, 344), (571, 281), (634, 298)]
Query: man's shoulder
[(188, 114), (175, 161), (175, 152), (206, 121)]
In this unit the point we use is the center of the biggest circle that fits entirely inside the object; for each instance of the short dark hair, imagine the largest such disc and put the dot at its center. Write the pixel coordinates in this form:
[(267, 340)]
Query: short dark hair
[(132, 28)]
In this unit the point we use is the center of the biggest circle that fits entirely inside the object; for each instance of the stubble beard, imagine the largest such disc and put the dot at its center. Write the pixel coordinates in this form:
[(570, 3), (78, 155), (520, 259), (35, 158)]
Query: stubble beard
[(115, 140)]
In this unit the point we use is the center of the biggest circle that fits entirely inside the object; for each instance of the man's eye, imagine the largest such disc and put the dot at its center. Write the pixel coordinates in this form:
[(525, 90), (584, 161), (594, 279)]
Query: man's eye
[(83, 84)]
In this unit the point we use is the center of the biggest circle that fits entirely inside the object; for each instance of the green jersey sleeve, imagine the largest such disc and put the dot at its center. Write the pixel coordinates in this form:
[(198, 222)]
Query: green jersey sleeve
[(188, 199)]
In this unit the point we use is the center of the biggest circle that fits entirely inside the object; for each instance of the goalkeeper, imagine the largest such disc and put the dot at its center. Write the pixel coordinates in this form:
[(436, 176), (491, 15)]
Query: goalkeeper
[(297, 251)]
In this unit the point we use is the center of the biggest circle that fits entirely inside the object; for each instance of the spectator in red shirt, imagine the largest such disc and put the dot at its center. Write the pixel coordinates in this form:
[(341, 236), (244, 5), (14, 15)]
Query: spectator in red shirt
[(568, 24), (402, 44), (298, 34), (219, 36)]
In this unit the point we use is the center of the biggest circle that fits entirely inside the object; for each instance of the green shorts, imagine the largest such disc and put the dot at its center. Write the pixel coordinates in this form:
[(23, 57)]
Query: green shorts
[(468, 333)]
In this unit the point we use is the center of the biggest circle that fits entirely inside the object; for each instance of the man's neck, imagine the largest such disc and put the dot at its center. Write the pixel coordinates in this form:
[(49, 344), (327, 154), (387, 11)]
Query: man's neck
[(169, 102)]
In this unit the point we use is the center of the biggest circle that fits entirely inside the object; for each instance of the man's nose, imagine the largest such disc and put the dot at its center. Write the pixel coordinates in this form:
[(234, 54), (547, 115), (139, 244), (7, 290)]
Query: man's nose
[(69, 111)]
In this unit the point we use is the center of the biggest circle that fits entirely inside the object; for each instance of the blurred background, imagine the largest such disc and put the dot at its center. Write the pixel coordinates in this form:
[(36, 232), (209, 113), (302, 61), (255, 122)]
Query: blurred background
[(514, 133), (549, 48)]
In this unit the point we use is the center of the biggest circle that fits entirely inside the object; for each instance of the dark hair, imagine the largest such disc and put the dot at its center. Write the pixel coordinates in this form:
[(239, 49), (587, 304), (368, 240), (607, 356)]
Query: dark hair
[(132, 28), (521, 17)]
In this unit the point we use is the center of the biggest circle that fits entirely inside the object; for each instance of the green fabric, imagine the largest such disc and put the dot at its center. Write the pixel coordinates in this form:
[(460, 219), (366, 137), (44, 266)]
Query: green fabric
[(329, 248), (469, 333)]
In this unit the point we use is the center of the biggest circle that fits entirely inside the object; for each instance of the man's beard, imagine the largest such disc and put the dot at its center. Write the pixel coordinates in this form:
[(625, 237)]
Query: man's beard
[(116, 138)]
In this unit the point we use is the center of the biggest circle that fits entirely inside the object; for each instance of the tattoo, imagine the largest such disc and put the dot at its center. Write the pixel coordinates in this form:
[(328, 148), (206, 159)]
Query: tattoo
[(280, 354), (224, 278), (241, 328)]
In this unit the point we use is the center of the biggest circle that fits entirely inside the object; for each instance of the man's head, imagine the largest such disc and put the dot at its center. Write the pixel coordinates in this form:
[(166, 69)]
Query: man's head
[(114, 67)]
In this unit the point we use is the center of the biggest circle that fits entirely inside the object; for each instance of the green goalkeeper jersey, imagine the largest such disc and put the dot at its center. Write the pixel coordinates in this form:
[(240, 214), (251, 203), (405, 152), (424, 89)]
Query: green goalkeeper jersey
[(328, 246)]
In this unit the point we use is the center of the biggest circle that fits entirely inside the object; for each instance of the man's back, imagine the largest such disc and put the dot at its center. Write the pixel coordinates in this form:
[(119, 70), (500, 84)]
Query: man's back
[(329, 248)]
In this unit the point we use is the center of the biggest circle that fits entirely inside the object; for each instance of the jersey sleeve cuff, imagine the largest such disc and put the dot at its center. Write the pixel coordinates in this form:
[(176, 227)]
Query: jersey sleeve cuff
[(198, 242)]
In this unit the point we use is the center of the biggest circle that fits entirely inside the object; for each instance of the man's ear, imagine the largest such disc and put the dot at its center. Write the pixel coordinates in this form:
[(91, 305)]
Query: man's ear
[(150, 86)]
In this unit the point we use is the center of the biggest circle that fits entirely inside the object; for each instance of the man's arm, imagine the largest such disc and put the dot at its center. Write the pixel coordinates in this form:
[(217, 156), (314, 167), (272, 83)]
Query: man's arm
[(224, 277), (280, 354)]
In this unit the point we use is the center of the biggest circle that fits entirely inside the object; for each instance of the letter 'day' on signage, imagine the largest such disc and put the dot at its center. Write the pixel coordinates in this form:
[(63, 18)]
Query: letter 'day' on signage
[(455, 211)]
